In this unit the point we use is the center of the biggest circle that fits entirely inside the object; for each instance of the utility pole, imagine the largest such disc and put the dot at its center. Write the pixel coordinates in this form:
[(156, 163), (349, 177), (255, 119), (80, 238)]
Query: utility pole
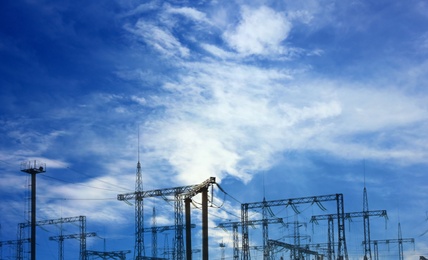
[(33, 168)]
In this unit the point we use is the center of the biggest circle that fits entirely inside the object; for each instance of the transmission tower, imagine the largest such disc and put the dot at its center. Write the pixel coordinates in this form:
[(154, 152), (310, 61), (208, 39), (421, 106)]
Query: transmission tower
[(139, 250)]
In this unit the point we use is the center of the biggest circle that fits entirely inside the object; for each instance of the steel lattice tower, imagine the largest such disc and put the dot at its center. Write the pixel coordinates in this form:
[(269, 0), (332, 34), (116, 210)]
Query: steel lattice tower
[(139, 251), (367, 249)]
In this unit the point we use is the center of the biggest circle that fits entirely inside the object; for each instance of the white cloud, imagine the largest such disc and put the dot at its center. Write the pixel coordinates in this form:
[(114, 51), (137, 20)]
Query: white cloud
[(227, 118), (260, 31), (188, 12), (159, 38)]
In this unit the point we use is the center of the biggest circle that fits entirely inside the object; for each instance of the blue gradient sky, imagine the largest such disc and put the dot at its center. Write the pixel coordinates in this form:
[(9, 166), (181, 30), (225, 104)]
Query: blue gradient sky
[(276, 99)]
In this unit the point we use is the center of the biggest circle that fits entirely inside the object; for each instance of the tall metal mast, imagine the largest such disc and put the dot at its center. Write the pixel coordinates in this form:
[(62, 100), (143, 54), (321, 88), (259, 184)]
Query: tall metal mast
[(367, 249), (139, 251)]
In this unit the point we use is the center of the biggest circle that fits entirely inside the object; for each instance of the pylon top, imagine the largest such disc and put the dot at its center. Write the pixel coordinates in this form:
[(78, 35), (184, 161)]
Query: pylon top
[(33, 167)]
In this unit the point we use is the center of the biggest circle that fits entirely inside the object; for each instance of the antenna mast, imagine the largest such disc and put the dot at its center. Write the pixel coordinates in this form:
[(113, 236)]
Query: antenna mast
[(139, 251)]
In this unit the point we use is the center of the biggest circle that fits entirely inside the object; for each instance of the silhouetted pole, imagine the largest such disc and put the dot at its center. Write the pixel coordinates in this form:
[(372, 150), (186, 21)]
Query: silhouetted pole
[(188, 228), (205, 224), (33, 168)]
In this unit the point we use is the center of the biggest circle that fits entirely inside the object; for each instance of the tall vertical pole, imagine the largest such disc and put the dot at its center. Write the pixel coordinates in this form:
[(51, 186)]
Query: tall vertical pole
[(33, 169), (205, 224), (33, 216), (188, 228)]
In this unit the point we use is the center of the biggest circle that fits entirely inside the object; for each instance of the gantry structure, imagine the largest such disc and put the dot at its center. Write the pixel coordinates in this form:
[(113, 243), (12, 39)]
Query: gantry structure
[(17, 243), (181, 195), (236, 224), (341, 245), (348, 216), (60, 239), (159, 229), (81, 236), (400, 240)]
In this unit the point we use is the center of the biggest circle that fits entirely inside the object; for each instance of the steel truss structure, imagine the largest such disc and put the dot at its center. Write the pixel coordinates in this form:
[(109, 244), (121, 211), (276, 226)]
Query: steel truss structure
[(341, 246)]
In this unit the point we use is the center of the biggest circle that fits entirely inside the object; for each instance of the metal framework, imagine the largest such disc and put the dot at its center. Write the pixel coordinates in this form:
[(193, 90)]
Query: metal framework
[(159, 229), (179, 193), (234, 226), (17, 243), (342, 250), (400, 240), (60, 239), (139, 250), (299, 249), (119, 255), (350, 215), (82, 227)]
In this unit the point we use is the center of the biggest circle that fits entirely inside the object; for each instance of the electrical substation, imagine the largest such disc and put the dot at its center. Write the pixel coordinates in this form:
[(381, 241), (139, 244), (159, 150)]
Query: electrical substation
[(314, 227)]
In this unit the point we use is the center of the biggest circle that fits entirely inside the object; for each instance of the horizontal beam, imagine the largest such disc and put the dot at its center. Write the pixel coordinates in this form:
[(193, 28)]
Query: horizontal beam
[(251, 222), (72, 236), (53, 221), (187, 191), (349, 215), (288, 202)]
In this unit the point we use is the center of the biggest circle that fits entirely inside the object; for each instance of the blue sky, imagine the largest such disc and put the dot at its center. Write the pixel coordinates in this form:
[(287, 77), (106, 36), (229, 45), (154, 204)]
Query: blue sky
[(276, 99)]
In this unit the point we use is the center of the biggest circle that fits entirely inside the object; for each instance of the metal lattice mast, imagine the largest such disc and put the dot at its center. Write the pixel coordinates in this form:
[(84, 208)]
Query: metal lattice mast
[(178, 220), (400, 243), (139, 250), (266, 250), (330, 251), (376, 250), (367, 248), (235, 242)]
